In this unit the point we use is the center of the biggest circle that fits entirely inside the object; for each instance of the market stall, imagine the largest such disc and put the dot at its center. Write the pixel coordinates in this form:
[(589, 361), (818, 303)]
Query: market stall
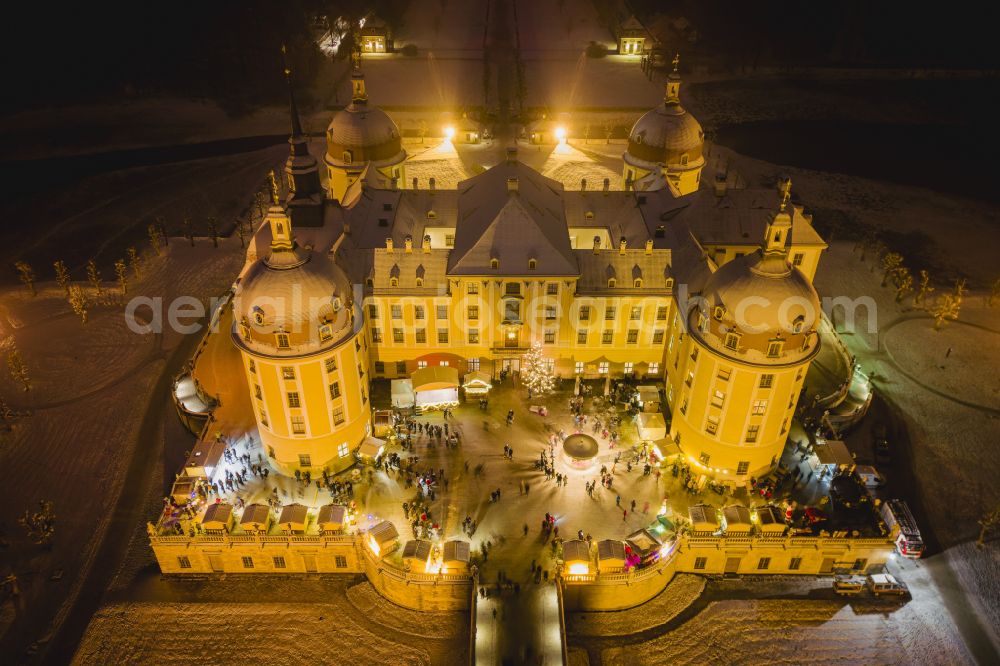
[(576, 557), (644, 545), (648, 398), (435, 387), (455, 557), (383, 422), (183, 490), (256, 519), (476, 384), (383, 538), (736, 520), (651, 426), (294, 518), (332, 519), (370, 450), (417, 555), (829, 455), (771, 520), (218, 518), (402, 394), (704, 519), (205, 458), (610, 556)]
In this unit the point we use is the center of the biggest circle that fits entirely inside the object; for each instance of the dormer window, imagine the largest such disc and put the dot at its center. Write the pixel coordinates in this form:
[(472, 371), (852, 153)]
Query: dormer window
[(337, 303), (774, 348), (718, 312), (325, 332), (702, 322), (431, 215), (532, 264), (589, 215), (733, 341), (348, 158), (245, 331), (637, 283), (612, 282), (420, 282), (258, 316), (684, 159), (494, 264), (797, 324), (669, 284), (282, 340)]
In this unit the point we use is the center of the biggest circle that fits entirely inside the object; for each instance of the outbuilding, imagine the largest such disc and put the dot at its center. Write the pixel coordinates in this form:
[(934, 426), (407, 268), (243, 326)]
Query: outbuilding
[(576, 557), (332, 518), (294, 518), (455, 556), (218, 518), (771, 520), (736, 520), (256, 519), (417, 555), (704, 519), (610, 556), (383, 538)]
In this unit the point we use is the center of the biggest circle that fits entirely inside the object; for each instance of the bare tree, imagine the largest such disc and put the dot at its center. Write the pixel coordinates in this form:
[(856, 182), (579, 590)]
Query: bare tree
[(134, 262), (94, 277), (18, 368), (39, 525), (78, 301), (62, 275), (904, 283), (121, 272), (241, 230), (27, 276), (890, 263), (986, 523), (187, 230), (947, 307), (155, 238), (960, 289), (213, 231), (924, 290)]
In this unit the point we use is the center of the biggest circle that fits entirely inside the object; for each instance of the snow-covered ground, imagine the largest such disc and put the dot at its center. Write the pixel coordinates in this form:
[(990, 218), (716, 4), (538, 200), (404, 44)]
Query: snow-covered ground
[(682, 591)]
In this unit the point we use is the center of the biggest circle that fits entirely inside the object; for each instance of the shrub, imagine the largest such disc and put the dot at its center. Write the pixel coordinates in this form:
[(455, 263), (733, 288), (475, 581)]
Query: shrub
[(409, 50), (595, 50)]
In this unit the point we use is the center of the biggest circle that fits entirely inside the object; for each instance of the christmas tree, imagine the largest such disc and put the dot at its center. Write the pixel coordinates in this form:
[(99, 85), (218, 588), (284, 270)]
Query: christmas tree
[(536, 371)]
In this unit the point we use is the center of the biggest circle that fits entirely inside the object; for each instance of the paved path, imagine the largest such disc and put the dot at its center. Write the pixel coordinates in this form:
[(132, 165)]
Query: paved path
[(520, 628)]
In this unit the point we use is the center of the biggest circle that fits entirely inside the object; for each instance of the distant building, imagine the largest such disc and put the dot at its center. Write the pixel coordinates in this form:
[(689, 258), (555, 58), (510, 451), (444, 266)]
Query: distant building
[(632, 37), (375, 36)]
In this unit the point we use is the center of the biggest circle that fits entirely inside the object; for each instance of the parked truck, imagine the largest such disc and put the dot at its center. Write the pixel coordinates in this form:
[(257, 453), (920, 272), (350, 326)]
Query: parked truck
[(903, 528)]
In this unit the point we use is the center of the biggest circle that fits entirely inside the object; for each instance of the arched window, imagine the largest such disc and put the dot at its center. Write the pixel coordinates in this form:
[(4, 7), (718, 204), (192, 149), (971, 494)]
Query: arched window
[(393, 282), (684, 159), (348, 157), (325, 332), (420, 282), (612, 282), (281, 228), (258, 316), (637, 283), (669, 284), (532, 264), (718, 312), (494, 263)]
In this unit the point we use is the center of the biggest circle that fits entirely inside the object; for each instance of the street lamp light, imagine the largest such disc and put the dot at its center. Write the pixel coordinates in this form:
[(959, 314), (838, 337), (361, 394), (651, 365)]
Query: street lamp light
[(449, 132), (561, 134)]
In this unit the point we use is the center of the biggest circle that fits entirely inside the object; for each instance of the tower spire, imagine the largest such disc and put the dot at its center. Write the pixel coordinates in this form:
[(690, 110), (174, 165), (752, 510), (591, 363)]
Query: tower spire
[(272, 182), (775, 242), (673, 92), (293, 108)]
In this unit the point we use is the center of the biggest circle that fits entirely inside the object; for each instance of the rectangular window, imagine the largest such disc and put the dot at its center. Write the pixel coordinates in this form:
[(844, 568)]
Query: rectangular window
[(860, 564), (694, 354), (472, 287), (658, 336), (581, 337), (340, 561), (397, 311), (684, 406), (633, 336), (305, 460), (361, 371), (584, 313), (338, 415), (766, 381), (298, 425), (287, 372), (794, 563), (797, 259), (752, 432), (473, 336), (609, 313), (742, 468), (184, 562), (718, 398), (550, 337), (342, 450), (700, 562), (256, 392), (473, 312), (421, 364), (552, 288), (442, 336), (607, 336), (325, 332), (725, 374), (283, 340), (376, 335), (442, 312), (449, 240), (661, 313), (372, 311), (635, 313), (759, 407), (418, 312), (774, 348), (603, 367), (263, 418), (712, 425), (293, 399), (550, 312), (331, 364), (400, 367), (704, 458), (654, 368), (335, 390), (628, 367), (421, 335), (732, 341), (763, 563), (379, 367), (247, 562), (578, 368), (253, 366), (690, 378), (279, 562), (397, 336), (512, 288), (473, 364)]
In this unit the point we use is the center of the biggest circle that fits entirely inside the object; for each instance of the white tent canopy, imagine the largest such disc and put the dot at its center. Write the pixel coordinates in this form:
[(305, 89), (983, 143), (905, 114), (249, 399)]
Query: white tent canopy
[(402, 393), (651, 426), (435, 386)]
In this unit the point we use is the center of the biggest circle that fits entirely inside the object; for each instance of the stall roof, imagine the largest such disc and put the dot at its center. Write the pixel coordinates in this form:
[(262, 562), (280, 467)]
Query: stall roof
[(293, 513), (477, 378), (770, 516), (255, 513), (383, 532), (737, 516), (456, 551), (576, 550), (648, 393), (434, 377), (652, 426), (703, 514), (419, 549), (611, 549), (643, 541), (371, 447), (332, 513), (207, 453), (833, 452), (220, 512)]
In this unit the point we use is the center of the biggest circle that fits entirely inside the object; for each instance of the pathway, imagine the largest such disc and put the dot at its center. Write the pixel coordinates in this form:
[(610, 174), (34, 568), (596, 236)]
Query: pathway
[(520, 627)]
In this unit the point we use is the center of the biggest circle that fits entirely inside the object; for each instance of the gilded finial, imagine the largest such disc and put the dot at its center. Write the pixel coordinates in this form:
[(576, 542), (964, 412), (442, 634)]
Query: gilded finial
[(284, 59), (356, 60), (676, 61), (786, 193), (273, 181)]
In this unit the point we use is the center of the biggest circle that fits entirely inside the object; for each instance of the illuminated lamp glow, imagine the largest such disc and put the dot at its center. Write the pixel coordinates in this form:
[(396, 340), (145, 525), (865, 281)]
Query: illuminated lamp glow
[(579, 569), (449, 132), (561, 133), (373, 544)]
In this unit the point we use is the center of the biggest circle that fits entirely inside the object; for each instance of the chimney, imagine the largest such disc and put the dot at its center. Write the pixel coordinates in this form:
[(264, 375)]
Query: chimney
[(432, 182), (649, 246), (512, 185), (512, 155), (388, 245), (720, 184), (607, 184), (408, 243), (597, 244), (415, 183), (583, 184), (426, 246), (621, 245)]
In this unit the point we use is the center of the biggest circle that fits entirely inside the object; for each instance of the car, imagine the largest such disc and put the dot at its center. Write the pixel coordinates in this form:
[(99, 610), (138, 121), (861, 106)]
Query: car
[(886, 584), (848, 585)]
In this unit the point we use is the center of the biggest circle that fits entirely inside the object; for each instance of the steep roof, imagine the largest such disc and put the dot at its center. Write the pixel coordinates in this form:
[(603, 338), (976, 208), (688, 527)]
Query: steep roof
[(513, 214)]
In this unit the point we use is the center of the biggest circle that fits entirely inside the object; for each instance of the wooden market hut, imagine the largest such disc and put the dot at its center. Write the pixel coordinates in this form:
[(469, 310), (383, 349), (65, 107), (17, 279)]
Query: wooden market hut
[(771, 520), (383, 538), (256, 519), (218, 518), (576, 557), (610, 556), (332, 518), (704, 519), (417, 555), (294, 518), (455, 556), (737, 520)]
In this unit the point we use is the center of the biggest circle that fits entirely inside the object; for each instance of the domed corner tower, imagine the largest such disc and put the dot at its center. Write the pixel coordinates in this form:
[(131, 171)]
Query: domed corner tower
[(669, 139), (740, 369), (360, 134), (299, 332)]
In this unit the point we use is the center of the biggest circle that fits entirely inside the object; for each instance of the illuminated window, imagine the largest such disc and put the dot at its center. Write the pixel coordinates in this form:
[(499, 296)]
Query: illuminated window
[(578, 368), (669, 284), (752, 433), (654, 368), (759, 407), (494, 263), (421, 364), (293, 399), (628, 367), (612, 282), (338, 416), (742, 468), (288, 372), (325, 332), (550, 312), (635, 313), (335, 390), (603, 367), (343, 450), (473, 364), (766, 381), (704, 458), (718, 398)]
